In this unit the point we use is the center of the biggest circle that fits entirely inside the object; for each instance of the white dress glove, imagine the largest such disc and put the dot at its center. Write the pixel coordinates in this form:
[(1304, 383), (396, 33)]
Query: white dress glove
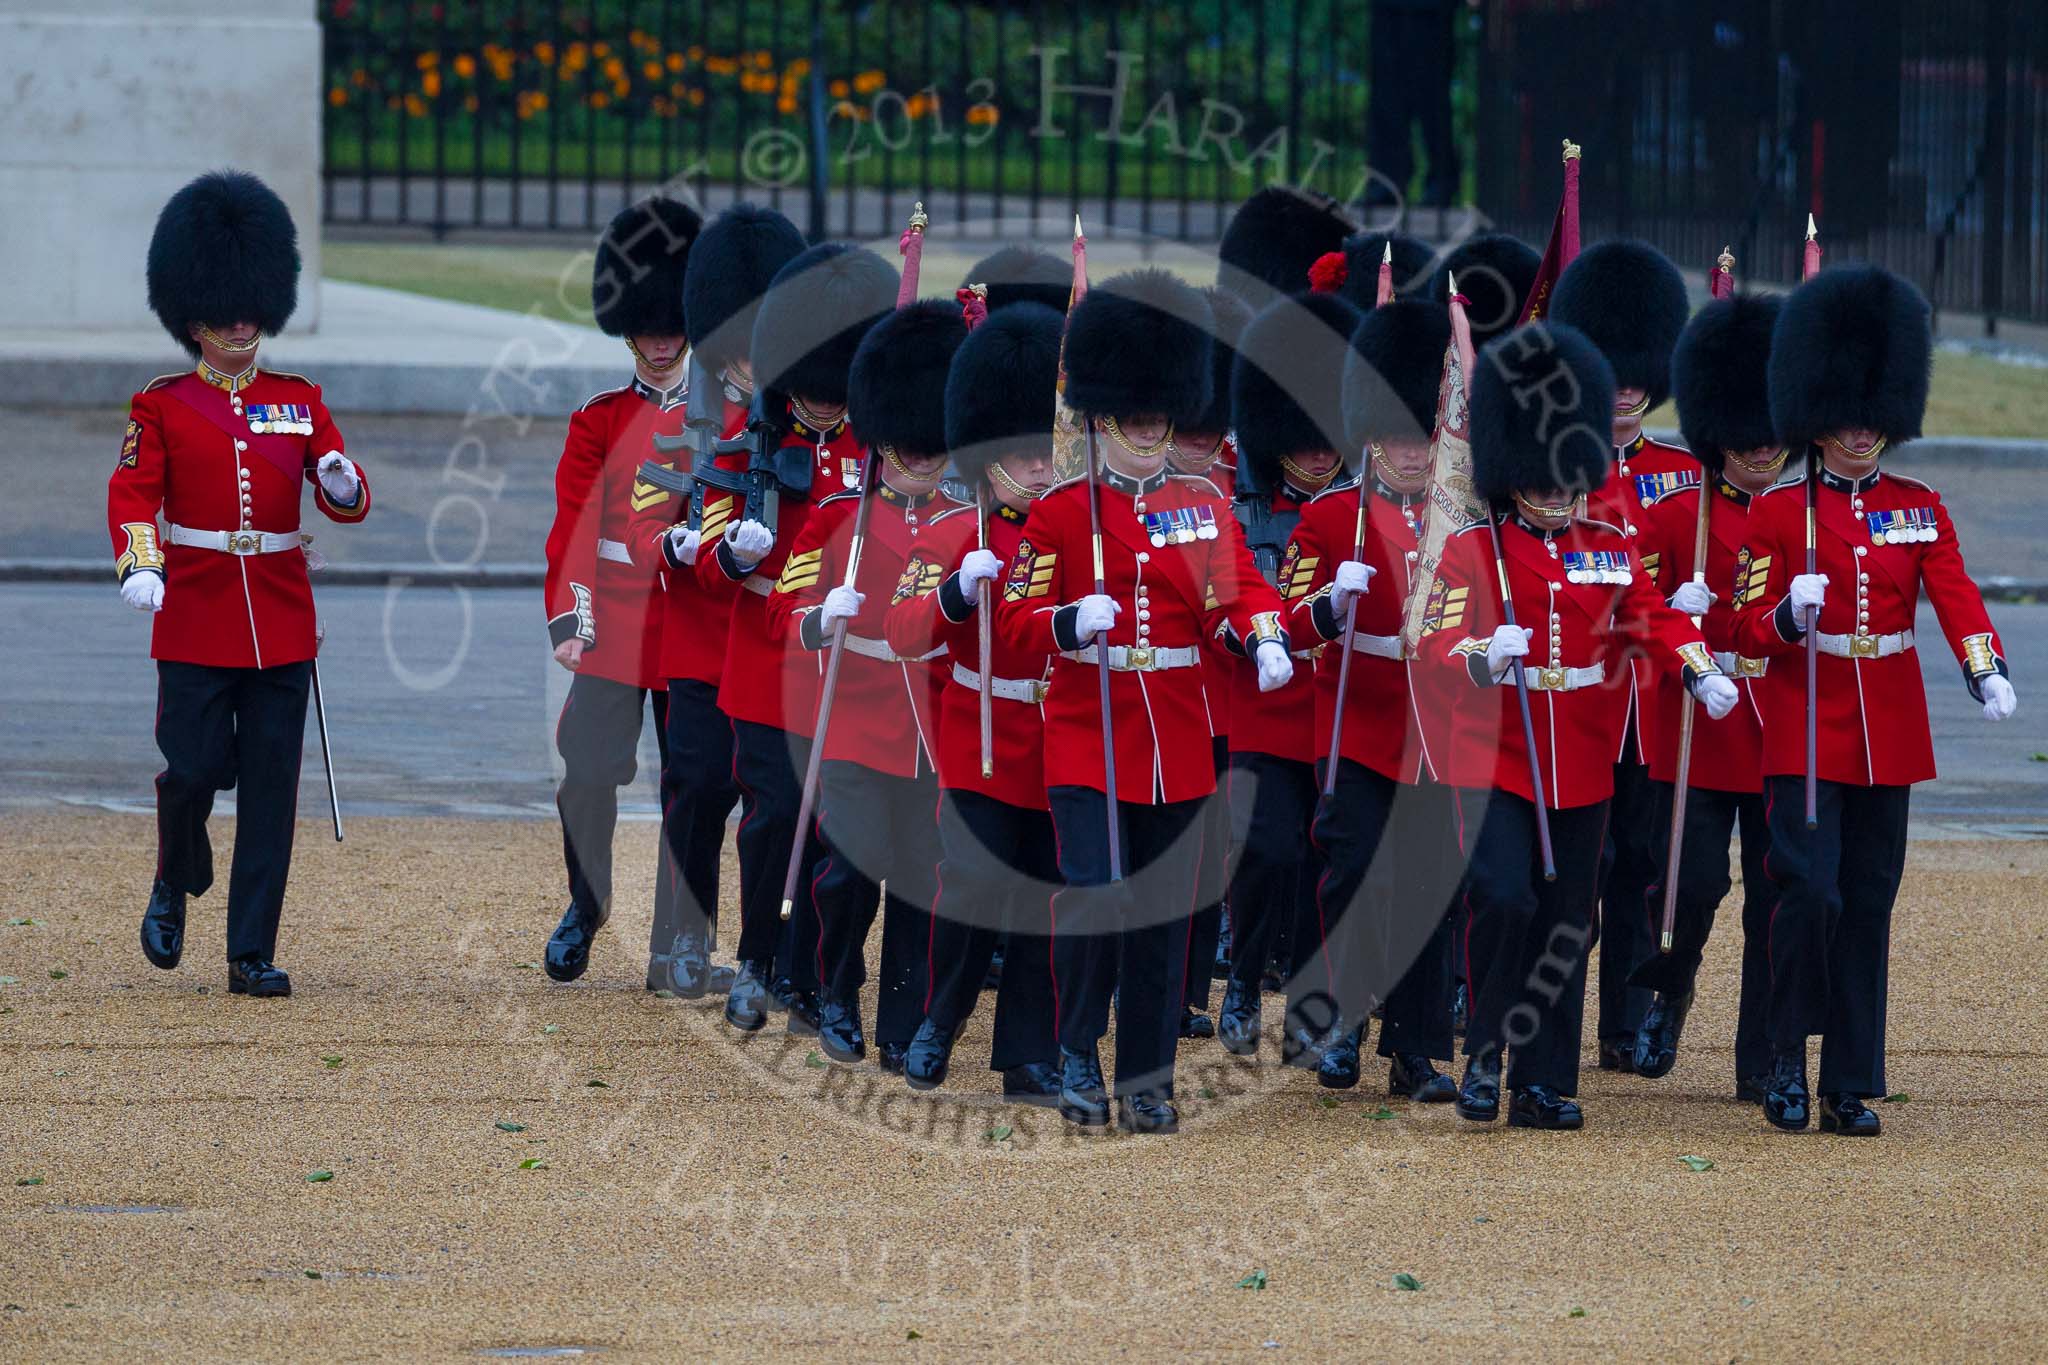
[(1715, 693), (1276, 669), (683, 544), (1353, 581), (1693, 598), (144, 591), (1095, 614), (980, 566), (1999, 699), (1508, 642), (1808, 590), (841, 604), (338, 476), (750, 541)]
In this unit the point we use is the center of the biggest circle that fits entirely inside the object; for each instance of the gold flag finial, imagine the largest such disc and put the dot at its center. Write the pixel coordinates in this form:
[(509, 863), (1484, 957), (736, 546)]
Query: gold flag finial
[(1812, 229), (1571, 150), (1726, 260), (919, 219)]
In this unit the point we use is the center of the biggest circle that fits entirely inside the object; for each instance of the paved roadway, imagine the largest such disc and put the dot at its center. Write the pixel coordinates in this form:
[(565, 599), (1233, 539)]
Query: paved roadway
[(444, 702)]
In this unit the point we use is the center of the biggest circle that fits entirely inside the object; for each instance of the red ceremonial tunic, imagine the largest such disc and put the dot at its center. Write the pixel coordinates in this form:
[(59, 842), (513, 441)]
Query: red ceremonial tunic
[(1584, 594), (1221, 661), (1395, 722), (1175, 558), (1880, 542), (693, 621), (1642, 469), (882, 706), (595, 591), (191, 453), (930, 612), (1281, 723), (1730, 758)]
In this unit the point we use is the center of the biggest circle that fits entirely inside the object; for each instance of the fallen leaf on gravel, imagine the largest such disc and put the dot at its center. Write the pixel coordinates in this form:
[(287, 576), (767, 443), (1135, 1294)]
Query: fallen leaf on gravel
[(20, 922), (526, 966), (1899, 1098), (58, 973), (507, 1126), (1697, 1163), (30, 1180), (533, 1163), (1404, 1280), (1327, 1101), (596, 1084), (2038, 758), (1482, 1218), (913, 1335), (319, 1177), (550, 1028), (1381, 1113), (813, 1060), (664, 994), (10, 981), (1255, 1280), (1576, 1313), (330, 1061), (311, 1274), (1206, 1093), (999, 1133)]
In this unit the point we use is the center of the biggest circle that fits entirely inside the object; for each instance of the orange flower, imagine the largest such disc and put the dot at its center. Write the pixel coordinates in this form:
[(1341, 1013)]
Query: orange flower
[(602, 49), (613, 68), (652, 70), (786, 105), (720, 66), (546, 53), (914, 107), (359, 78), (696, 52), (431, 84), (868, 82), (465, 65), (415, 106), (763, 58), (696, 98), (427, 61), (837, 89), (675, 61), (984, 114), (798, 69), (598, 99), (337, 97)]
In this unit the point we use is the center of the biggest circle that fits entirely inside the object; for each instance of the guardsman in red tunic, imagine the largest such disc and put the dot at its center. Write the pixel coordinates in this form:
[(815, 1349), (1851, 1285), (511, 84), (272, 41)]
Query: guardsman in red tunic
[(1389, 832), (1541, 403), (1719, 378), (603, 619), (1208, 450), (224, 453), (1287, 393), (998, 869), (878, 788), (1273, 238), (1630, 302), (1849, 374), (1174, 568), (818, 305)]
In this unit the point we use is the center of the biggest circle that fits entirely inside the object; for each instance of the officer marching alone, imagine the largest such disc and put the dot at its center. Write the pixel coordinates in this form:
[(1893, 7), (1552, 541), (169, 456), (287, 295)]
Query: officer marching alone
[(224, 451)]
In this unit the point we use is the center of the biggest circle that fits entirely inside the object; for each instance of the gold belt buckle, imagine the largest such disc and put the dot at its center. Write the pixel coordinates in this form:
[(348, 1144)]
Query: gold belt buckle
[(1862, 646), (1138, 657), (1749, 668), (244, 543), (1039, 687), (1550, 679)]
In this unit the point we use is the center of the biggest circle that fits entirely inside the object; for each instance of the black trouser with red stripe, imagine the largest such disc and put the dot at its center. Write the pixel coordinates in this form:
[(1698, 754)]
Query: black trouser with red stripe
[(768, 767), (996, 882), (1127, 939), (1272, 801), (240, 728), (1211, 880), (877, 829), (1392, 866), (1528, 939), (598, 737), (1625, 928), (1711, 817), (1830, 936), (698, 792)]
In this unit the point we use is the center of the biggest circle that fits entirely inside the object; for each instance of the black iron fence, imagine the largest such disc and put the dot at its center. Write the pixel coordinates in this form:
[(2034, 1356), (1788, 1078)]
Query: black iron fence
[(1913, 131), (550, 113)]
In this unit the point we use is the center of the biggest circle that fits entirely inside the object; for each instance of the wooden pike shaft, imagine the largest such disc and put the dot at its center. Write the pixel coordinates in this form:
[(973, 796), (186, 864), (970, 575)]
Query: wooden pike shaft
[(985, 639), (1350, 635), (1685, 719), (1812, 644), (1116, 856), (1507, 611)]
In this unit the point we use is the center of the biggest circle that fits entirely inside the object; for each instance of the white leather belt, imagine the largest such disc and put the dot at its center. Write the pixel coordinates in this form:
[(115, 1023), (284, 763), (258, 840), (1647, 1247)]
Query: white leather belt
[(614, 550), (1557, 679), (1009, 689), (759, 586), (236, 542), (1735, 666), (1379, 646), (879, 649), (1138, 658), (1865, 646)]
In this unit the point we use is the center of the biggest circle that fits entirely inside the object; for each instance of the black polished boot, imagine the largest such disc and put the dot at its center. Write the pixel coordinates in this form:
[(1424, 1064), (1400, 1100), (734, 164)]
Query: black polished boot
[(689, 968), (746, 1004), (839, 1029), (1084, 1100), (1848, 1116), (1750, 1089), (1657, 1042), (931, 1052), (892, 1057), (804, 1013), (1150, 1112), (569, 947), (1479, 1096), (253, 976), (1338, 1069), (1787, 1104), (1461, 1009), (1032, 1083), (1301, 1046), (163, 926), (1618, 1054), (993, 977), (779, 992), (1219, 967), (1540, 1106), (1415, 1076), (1195, 1024), (1237, 1023)]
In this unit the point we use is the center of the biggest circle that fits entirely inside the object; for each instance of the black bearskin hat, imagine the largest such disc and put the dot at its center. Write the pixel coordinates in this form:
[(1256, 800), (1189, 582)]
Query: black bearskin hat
[(224, 251), (1139, 344), (730, 268), (1272, 240), (1230, 315), (1542, 414), (1017, 274), (999, 393), (1720, 375), (1852, 349), (896, 390), (812, 319), (1362, 252), (1495, 273), (1629, 300), (1287, 388), (636, 284), (1393, 374)]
